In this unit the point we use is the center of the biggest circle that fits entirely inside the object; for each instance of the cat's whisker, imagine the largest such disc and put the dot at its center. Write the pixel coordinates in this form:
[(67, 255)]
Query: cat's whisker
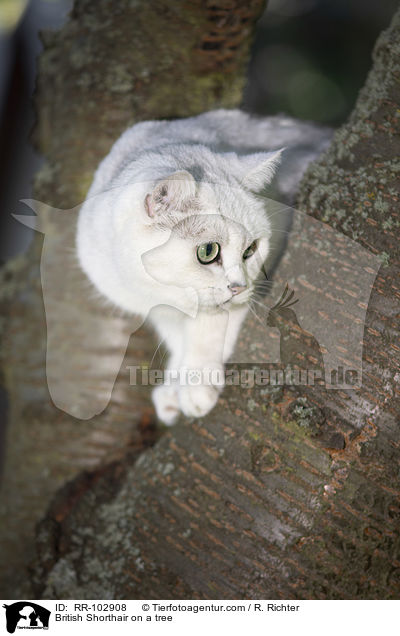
[(163, 357), (155, 352), (275, 231), (262, 283), (254, 313), (273, 249), (266, 308), (282, 209), (257, 302), (261, 289), (259, 294)]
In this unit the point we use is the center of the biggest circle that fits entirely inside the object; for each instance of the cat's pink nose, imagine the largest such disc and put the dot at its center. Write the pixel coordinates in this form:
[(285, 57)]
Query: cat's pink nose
[(236, 288)]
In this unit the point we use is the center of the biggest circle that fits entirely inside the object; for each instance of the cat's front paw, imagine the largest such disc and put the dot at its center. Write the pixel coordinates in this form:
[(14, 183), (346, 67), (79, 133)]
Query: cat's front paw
[(196, 401), (166, 402)]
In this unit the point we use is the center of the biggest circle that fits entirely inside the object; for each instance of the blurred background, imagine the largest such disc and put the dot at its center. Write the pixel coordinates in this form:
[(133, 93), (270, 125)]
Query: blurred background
[(310, 58)]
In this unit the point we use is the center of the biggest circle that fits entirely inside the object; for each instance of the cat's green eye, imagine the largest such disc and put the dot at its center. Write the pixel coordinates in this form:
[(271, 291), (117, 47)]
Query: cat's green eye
[(250, 250), (208, 253)]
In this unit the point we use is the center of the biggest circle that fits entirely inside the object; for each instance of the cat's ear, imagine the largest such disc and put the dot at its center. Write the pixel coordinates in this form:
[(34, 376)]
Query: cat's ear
[(260, 169), (170, 193)]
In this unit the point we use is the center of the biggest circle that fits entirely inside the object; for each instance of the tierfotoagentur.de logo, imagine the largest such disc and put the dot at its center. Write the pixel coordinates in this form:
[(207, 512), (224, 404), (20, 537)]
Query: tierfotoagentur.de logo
[(26, 615), (308, 308)]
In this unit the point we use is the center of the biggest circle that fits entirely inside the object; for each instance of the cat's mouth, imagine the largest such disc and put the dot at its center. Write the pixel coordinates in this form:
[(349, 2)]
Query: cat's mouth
[(239, 299), (216, 297)]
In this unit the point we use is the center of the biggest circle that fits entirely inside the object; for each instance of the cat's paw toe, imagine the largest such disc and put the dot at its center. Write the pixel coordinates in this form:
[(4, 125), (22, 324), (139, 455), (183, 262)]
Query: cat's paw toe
[(196, 401), (165, 400)]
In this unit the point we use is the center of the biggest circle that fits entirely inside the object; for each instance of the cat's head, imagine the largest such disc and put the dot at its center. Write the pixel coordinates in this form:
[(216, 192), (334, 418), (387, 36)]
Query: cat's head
[(217, 235)]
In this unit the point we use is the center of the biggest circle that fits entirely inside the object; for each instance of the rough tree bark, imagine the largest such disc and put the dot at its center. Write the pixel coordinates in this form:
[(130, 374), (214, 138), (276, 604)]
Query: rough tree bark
[(111, 65), (248, 502), (260, 499)]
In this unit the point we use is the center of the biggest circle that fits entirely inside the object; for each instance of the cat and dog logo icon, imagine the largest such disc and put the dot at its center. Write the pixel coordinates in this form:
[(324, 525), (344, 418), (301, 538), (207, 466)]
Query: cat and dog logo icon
[(26, 615)]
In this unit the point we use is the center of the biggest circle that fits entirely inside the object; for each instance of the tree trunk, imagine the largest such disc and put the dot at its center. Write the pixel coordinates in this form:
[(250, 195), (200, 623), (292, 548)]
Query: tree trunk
[(278, 493), (113, 64)]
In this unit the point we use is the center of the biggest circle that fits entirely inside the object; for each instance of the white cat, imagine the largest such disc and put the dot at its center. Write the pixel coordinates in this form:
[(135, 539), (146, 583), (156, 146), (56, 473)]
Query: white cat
[(173, 227)]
